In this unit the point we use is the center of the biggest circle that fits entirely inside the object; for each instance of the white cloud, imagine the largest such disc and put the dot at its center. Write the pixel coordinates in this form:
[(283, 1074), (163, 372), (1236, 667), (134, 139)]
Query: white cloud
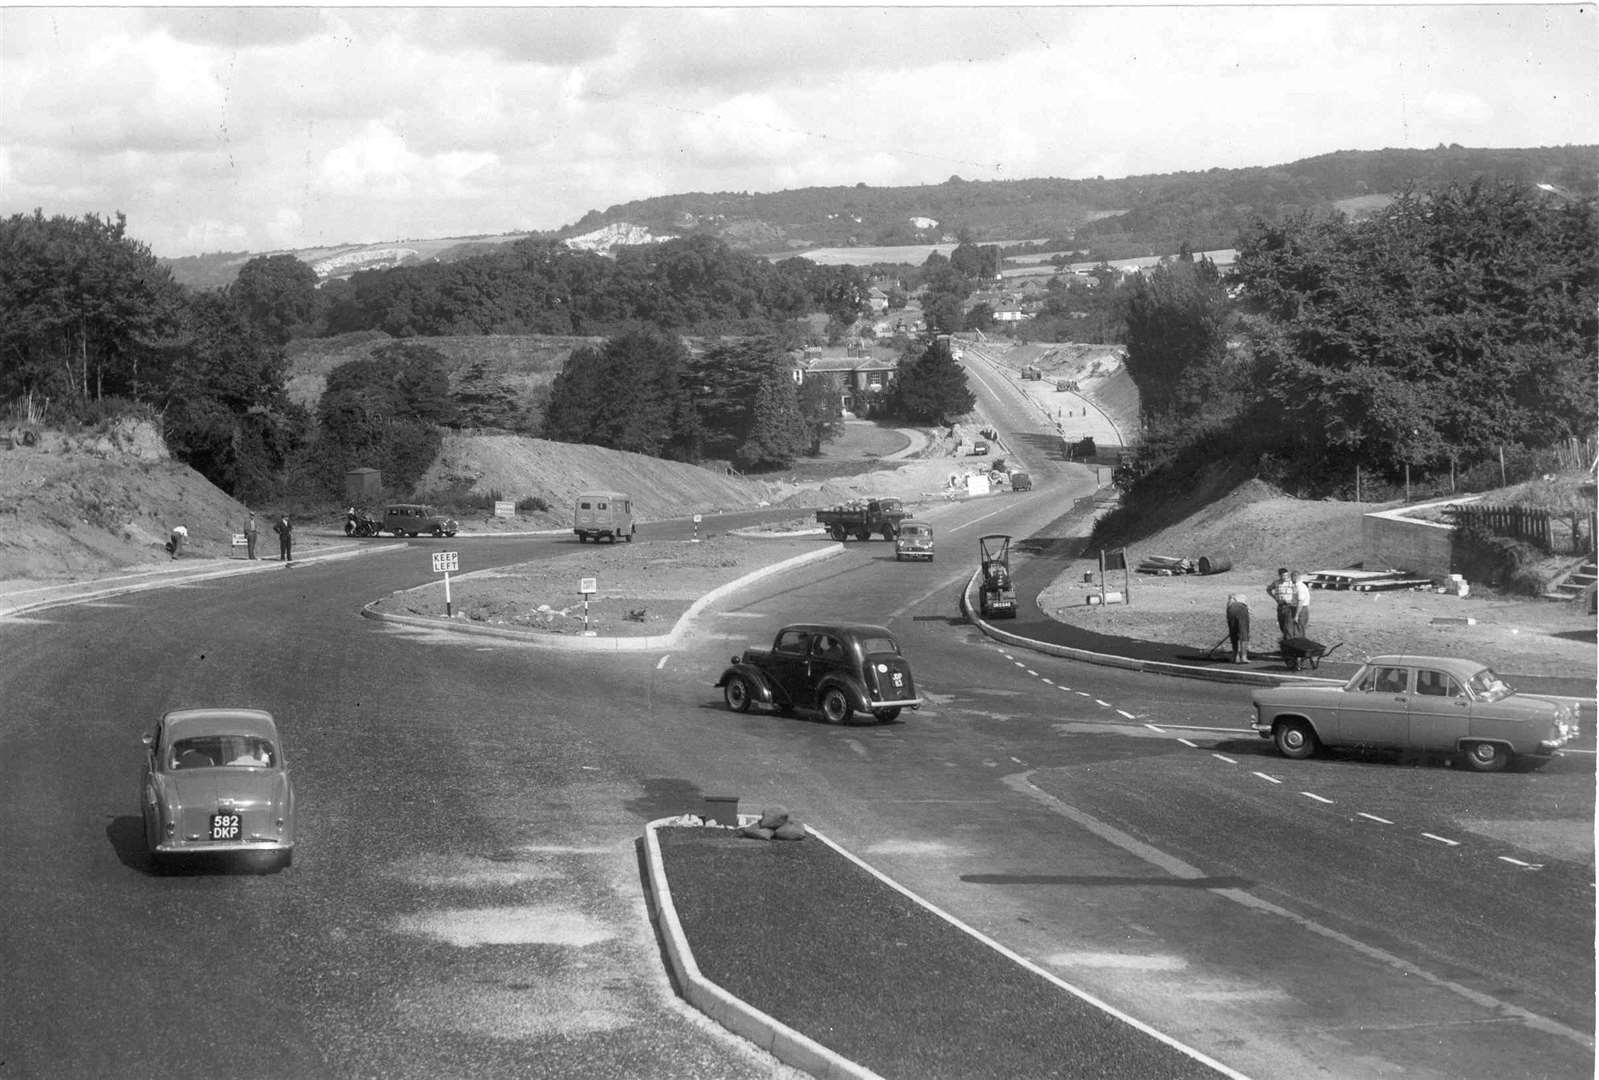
[(279, 127)]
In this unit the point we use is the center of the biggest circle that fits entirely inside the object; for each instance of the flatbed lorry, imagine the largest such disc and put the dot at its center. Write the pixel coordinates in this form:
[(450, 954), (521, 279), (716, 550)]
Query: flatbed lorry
[(861, 519)]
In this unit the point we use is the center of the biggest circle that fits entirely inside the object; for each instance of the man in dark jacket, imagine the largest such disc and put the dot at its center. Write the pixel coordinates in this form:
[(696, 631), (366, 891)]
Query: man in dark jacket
[(285, 533)]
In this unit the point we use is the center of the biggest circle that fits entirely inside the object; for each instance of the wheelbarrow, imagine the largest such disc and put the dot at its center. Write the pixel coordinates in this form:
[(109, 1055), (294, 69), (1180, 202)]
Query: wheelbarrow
[(1299, 652)]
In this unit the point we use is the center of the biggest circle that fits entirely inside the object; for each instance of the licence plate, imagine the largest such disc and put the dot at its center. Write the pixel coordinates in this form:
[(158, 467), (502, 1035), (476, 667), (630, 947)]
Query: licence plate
[(227, 827), (899, 680)]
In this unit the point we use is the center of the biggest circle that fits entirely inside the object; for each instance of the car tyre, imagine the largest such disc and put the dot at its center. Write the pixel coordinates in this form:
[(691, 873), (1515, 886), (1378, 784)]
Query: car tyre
[(1485, 757), (837, 533), (1295, 739), (836, 706), (737, 694)]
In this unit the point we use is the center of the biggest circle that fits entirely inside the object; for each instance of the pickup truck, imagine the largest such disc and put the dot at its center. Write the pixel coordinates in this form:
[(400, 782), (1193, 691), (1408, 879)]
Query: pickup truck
[(862, 519), (839, 668)]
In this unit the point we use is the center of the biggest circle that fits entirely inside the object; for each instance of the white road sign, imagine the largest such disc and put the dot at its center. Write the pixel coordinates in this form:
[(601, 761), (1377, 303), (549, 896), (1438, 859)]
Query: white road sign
[(446, 562)]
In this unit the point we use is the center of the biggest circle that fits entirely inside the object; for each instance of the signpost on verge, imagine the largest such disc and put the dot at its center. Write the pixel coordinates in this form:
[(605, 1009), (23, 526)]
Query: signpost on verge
[(446, 563), (696, 528), (588, 587)]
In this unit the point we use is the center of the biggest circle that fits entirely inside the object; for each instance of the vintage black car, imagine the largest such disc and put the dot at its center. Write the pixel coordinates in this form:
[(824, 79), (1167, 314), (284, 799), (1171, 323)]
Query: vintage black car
[(841, 669)]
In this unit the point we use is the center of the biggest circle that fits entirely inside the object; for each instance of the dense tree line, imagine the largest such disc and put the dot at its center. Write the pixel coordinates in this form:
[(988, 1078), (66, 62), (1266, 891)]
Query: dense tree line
[(735, 401), (697, 284), (91, 322), (1429, 336)]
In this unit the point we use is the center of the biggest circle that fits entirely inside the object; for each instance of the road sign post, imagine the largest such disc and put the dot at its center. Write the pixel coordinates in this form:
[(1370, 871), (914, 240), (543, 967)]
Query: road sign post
[(446, 563), (588, 587), (696, 528)]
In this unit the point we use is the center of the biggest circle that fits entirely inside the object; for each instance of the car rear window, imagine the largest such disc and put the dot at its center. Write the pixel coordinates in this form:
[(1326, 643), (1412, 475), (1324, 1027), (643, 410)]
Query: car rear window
[(879, 644), (213, 751)]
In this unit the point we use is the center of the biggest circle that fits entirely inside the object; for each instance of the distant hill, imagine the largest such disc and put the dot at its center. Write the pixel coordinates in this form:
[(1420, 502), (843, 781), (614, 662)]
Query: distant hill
[(1119, 218)]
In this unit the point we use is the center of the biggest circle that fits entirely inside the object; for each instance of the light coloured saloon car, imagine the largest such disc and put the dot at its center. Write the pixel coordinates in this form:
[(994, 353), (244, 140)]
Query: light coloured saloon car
[(216, 784), (1421, 704)]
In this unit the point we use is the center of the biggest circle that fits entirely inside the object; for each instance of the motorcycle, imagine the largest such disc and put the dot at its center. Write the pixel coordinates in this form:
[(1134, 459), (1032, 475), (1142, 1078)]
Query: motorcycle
[(360, 523)]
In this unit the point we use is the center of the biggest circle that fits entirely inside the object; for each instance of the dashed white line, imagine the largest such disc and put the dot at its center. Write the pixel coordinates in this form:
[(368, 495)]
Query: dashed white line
[(1318, 798), (1033, 673), (1441, 839), (1224, 757), (1269, 779), (1190, 745), (1518, 862), (1130, 716), (662, 662), (1084, 693), (1102, 704), (1048, 680), (1374, 817)]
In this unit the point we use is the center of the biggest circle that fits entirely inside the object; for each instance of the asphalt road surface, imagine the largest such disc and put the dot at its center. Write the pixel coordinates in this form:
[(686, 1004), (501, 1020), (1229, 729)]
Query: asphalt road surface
[(465, 899)]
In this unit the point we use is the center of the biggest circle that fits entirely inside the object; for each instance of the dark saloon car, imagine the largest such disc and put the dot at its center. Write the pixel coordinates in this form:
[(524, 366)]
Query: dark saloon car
[(840, 669), (215, 783), (1425, 704)]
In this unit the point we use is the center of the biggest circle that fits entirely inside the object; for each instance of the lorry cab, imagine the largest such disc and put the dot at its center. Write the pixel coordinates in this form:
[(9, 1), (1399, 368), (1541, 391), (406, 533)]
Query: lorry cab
[(607, 514)]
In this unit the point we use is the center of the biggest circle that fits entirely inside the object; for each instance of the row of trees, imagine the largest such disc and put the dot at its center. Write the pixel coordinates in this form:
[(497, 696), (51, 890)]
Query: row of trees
[(736, 401), (694, 285), (1435, 333)]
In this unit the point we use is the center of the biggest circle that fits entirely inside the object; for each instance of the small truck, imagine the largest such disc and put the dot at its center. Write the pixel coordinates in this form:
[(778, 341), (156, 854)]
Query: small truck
[(862, 519)]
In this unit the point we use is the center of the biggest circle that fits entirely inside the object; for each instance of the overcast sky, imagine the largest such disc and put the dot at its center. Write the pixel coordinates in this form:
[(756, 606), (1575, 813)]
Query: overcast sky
[(266, 128)]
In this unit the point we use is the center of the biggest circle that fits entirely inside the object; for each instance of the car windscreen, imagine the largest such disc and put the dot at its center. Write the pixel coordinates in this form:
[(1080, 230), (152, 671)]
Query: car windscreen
[(214, 751), (1488, 686)]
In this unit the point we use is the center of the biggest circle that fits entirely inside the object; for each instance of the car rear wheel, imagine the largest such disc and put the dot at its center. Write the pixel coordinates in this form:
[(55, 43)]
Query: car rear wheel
[(1485, 757), (887, 716), (1295, 739), (836, 706), (737, 694)]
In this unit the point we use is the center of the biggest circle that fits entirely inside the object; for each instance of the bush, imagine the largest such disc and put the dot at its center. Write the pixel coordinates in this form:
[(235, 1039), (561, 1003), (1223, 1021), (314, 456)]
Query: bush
[(1499, 562)]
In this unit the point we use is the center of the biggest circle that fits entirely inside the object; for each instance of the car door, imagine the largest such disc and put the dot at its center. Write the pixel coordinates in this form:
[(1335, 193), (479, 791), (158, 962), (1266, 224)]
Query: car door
[(1376, 711), (1440, 711), (791, 664)]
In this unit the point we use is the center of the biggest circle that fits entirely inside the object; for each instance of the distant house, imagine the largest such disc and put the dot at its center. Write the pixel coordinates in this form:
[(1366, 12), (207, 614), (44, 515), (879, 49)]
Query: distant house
[(852, 376), (877, 298), (1009, 313)]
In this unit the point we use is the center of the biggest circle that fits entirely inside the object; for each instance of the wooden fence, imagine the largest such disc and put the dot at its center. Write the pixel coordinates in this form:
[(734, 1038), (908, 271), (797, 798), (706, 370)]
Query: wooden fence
[(1550, 531)]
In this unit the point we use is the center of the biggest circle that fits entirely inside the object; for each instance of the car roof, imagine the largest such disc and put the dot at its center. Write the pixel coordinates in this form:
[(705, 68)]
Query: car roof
[(602, 494), (1452, 664), (857, 629), (409, 506), (185, 723)]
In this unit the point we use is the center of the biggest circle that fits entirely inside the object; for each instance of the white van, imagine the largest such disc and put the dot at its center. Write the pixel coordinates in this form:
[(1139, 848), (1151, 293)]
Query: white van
[(607, 514)]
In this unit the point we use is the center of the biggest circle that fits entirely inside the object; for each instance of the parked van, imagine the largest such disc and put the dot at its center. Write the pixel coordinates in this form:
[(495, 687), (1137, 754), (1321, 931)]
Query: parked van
[(607, 514), (413, 519)]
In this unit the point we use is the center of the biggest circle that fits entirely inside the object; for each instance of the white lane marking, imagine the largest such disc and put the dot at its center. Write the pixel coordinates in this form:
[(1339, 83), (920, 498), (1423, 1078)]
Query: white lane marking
[(1441, 839), (1104, 704), (1270, 779), (1031, 672), (1224, 757), (1374, 817), (1179, 869), (1518, 862), (856, 745), (1190, 744), (974, 521), (1130, 716), (1048, 680), (662, 662), (1318, 798), (1084, 693)]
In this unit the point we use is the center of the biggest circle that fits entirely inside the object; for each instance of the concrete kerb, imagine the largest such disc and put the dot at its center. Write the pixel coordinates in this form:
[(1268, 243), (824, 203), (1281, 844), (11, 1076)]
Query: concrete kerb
[(606, 644), (1127, 663), (78, 592), (770, 1034)]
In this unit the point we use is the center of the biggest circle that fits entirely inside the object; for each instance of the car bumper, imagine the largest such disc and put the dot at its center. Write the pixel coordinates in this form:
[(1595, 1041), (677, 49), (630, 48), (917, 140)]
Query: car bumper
[(899, 703), (206, 847)]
